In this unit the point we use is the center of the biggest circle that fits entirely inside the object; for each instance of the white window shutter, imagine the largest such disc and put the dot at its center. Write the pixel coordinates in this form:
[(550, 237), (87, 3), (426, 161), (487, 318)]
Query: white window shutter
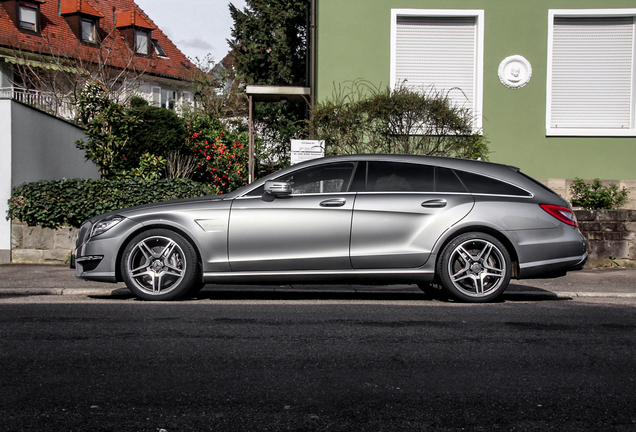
[(439, 54), (592, 72)]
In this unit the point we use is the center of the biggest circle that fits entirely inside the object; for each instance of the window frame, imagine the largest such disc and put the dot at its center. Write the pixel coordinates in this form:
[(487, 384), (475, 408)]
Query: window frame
[(158, 49), (148, 44), (93, 24), (478, 85), (574, 131), (34, 27)]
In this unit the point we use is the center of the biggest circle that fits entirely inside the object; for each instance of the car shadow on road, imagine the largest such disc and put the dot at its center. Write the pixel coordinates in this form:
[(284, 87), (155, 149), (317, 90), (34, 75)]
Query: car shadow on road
[(514, 293)]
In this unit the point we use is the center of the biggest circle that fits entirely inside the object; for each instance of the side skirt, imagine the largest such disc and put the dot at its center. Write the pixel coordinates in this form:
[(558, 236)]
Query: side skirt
[(380, 277)]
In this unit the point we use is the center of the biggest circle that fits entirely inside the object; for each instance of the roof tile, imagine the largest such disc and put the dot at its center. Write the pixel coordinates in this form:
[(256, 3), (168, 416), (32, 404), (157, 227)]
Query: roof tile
[(133, 17), (68, 7), (57, 36)]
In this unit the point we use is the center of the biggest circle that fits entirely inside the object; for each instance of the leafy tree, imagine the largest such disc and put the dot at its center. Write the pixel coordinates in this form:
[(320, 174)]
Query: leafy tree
[(216, 89), (269, 43), (366, 119)]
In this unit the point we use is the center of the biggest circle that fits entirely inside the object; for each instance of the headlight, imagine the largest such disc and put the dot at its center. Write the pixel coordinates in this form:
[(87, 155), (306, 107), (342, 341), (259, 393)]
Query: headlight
[(105, 224)]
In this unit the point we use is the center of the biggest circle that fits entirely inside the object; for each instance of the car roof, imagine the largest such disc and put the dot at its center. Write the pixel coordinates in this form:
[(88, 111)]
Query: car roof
[(500, 171)]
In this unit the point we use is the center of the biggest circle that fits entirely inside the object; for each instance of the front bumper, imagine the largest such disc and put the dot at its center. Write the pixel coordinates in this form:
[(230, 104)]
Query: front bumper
[(96, 258)]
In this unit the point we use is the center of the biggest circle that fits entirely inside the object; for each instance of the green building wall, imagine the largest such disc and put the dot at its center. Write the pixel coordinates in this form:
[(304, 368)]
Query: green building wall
[(354, 43)]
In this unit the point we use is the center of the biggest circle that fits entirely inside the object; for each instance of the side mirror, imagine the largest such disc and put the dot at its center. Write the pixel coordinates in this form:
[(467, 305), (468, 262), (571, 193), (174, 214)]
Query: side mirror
[(275, 189)]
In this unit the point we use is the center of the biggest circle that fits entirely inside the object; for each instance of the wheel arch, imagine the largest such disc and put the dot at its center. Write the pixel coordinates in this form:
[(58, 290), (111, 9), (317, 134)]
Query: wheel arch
[(145, 228), (514, 259)]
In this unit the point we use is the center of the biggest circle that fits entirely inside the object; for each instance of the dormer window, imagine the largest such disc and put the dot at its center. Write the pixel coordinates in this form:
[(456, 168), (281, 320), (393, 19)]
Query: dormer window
[(160, 52), (136, 28), (28, 17), (83, 19), (142, 38), (88, 30)]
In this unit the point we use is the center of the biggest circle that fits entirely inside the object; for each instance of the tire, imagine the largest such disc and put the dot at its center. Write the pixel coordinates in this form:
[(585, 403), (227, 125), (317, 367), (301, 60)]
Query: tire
[(475, 267), (160, 264)]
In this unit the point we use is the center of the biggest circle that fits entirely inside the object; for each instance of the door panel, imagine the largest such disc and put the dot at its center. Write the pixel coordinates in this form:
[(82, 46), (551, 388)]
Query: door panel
[(399, 230), (297, 232)]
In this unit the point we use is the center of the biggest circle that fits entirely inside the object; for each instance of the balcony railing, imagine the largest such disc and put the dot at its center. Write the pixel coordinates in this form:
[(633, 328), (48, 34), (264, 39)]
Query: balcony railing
[(44, 101)]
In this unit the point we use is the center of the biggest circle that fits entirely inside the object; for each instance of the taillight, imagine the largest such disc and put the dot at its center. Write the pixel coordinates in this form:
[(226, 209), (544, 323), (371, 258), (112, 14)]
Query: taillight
[(563, 214)]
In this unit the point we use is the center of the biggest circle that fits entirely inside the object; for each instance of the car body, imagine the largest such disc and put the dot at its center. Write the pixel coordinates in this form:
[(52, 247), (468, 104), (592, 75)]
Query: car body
[(466, 226)]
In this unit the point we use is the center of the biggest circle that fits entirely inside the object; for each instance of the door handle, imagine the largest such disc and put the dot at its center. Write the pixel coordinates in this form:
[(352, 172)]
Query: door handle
[(336, 202), (434, 203)]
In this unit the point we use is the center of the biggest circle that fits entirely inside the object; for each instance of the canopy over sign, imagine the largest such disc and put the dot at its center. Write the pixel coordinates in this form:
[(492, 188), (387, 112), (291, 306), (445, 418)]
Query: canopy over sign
[(258, 93)]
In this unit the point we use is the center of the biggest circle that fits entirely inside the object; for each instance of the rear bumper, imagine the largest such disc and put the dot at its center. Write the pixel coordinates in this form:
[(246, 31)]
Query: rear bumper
[(551, 268)]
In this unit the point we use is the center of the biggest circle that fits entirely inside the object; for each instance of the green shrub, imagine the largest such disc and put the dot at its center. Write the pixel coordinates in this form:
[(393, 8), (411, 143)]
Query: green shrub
[(159, 132), (151, 167), (51, 204), (595, 195), (108, 127), (121, 138)]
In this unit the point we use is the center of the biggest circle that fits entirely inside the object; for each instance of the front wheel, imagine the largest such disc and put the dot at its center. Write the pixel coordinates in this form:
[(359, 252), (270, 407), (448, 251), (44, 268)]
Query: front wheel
[(475, 267), (159, 264)]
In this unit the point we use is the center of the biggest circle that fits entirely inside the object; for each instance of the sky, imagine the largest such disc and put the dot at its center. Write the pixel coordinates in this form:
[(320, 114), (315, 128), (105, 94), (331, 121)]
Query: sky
[(197, 27)]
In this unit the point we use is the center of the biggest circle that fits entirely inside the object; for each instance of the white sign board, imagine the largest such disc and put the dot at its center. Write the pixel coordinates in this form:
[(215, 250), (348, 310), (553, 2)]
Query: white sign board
[(302, 150)]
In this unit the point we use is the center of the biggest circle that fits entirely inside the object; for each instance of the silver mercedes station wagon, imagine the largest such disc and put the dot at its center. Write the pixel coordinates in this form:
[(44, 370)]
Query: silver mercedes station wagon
[(465, 226)]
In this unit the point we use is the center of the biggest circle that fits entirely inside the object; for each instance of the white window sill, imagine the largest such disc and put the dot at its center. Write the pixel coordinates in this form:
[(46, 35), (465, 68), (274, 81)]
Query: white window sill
[(590, 132)]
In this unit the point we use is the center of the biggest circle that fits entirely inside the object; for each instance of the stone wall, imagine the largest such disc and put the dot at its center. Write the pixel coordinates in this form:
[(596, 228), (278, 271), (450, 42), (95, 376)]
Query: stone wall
[(41, 245), (611, 236)]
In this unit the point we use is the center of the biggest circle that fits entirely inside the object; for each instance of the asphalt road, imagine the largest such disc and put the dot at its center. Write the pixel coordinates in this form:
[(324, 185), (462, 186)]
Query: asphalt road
[(300, 364)]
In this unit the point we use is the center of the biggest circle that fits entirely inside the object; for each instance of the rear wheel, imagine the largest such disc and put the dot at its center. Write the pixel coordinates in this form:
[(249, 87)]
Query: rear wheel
[(159, 264), (475, 267)]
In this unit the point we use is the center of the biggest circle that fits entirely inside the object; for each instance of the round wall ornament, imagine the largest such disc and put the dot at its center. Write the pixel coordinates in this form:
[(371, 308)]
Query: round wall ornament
[(515, 71)]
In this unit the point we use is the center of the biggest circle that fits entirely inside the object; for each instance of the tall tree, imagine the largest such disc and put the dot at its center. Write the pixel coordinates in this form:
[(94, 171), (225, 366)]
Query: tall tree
[(269, 41)]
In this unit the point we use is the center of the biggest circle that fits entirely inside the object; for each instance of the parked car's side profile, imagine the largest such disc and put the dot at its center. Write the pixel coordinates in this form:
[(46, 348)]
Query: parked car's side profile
[(467, 226)]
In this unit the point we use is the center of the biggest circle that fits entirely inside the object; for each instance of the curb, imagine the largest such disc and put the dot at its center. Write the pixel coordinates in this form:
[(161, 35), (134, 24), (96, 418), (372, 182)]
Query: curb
[(567, 295), (53, 291)]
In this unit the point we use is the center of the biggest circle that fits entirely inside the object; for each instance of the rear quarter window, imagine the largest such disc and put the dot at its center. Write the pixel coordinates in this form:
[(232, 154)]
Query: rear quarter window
[(479, 184)]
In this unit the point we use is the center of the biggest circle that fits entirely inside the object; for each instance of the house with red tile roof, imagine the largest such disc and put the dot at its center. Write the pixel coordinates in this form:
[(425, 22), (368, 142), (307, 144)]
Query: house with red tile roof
[(93, 38)]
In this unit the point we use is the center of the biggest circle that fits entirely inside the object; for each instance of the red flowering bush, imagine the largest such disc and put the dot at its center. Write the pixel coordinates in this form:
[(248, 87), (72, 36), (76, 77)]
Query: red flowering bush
[(221, 156)]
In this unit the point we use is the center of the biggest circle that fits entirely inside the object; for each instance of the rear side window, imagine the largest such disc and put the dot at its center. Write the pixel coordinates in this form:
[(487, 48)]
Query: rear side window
[(405, 177), (398, 177), (479, 184)]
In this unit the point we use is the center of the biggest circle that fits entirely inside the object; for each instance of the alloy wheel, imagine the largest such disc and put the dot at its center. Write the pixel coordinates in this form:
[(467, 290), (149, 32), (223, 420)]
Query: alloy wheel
[(477, 268), (156, 265)]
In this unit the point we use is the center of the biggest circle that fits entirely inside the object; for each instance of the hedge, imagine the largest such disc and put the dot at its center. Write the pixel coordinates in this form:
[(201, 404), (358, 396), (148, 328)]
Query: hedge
[(51, 204)]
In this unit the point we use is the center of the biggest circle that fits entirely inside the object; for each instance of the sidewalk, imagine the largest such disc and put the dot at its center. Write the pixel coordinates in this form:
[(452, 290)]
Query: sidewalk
[(40, 279)]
